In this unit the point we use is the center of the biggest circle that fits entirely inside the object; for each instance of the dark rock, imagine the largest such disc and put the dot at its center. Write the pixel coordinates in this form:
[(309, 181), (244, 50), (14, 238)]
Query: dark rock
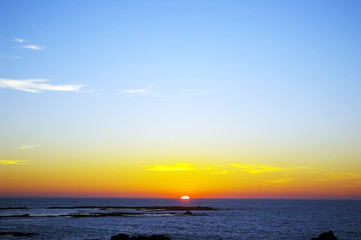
[(325, 236), (160, 208), (139, 238), (10, 216), (120, 236), (123, 236), (18, 234), (188, 213), (12, 208), (159, 237), (97, 214)]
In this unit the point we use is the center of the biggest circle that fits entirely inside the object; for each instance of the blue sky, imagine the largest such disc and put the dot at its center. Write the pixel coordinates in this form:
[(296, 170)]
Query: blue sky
[(236, 56), (262, 77)]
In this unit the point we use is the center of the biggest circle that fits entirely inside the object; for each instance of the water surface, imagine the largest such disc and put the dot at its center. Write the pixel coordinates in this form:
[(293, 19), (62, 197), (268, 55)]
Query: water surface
[(233, 218)]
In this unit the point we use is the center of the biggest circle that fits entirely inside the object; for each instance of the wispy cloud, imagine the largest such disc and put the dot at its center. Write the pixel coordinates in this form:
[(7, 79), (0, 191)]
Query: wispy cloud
[(334, 176), (36, 85), (280, 181), (255, 168), (33, 47), (29, 46), (25, 147), (151, 92), (260, 168), (144, 91), (173, 168), (14, 162), (19, 40)]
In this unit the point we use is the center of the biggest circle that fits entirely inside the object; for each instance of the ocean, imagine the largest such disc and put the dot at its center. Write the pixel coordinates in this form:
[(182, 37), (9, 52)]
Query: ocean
[(100, 218)]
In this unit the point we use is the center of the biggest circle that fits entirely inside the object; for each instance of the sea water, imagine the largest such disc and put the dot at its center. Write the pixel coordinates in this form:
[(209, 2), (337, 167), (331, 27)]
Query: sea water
[(232, 218)]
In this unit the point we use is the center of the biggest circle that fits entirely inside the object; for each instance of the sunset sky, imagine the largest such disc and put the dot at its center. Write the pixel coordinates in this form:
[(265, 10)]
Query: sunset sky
[(211, 99)]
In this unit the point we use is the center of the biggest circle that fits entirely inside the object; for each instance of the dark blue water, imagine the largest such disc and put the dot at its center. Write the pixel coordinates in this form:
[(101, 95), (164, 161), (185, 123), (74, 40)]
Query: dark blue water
[(233, 219)]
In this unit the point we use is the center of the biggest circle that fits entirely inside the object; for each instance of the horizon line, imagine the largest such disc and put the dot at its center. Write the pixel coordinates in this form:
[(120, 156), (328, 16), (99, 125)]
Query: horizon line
[(358, 198)]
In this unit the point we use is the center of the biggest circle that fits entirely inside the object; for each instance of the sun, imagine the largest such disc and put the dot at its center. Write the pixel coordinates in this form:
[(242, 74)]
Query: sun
[(185, 198)]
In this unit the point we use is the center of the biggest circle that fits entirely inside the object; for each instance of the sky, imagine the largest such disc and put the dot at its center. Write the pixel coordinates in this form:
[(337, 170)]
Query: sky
[(211, 99)]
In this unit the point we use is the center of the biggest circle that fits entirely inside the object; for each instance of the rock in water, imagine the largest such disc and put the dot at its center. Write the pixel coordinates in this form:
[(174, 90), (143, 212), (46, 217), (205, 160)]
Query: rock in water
[(120, 236), (159, 237), (18, 234), (123, 236), (326, 236), (188, 213), (139, 238)]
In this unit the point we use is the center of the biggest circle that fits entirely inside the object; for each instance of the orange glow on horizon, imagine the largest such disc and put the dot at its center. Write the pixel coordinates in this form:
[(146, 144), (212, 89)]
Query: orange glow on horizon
[(167, 180)]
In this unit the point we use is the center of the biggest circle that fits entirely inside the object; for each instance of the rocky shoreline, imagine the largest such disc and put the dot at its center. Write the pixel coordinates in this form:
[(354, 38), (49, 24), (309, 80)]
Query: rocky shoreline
[(104, 211), (122, 236), (160, 208)]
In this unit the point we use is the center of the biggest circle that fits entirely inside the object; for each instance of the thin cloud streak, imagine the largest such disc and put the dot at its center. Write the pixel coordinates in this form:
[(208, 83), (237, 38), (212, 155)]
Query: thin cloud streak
[(255, 168), (26, 147), (336, 176), (14, 162), (19, 40), (259, 168), (33, 47), (144, 91), (280, 181), (36, 85), (138, 91), (183, 93)]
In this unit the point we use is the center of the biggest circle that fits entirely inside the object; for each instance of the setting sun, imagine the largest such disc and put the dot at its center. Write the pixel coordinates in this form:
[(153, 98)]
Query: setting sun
[(185, 198)]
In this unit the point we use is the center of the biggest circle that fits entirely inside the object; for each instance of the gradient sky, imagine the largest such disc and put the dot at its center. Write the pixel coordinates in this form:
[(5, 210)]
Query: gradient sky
[(239, 99)]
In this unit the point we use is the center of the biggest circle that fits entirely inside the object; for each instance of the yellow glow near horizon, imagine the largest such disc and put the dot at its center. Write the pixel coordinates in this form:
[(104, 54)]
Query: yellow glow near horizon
[(214, 179), (47, 172)]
